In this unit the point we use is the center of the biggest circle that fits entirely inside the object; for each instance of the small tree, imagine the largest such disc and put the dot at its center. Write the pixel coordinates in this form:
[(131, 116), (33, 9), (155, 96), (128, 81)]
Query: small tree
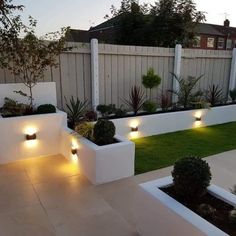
[(151, 80), (27, 58)]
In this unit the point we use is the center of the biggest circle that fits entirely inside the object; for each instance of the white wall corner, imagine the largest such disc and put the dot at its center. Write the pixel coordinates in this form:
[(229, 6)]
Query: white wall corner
[(95, 73)]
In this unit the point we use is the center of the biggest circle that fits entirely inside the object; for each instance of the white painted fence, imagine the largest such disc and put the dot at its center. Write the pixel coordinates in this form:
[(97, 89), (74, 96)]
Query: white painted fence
[(105, 73)]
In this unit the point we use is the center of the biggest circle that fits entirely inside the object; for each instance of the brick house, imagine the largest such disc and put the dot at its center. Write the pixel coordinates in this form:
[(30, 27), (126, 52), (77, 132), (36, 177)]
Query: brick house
[(208, 36), (216, 37)]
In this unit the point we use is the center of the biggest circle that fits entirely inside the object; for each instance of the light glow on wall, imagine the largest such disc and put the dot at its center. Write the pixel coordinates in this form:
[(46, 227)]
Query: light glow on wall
[(198, 119), (74, 149), (30, 131), (134, 126)]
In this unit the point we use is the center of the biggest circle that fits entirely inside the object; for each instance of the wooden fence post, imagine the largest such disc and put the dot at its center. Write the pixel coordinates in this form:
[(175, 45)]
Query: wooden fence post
[(95, 73), (232, 80), (177, 70)]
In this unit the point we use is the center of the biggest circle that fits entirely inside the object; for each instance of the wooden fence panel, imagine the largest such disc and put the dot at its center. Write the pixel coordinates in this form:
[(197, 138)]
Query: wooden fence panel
[(121, 67)]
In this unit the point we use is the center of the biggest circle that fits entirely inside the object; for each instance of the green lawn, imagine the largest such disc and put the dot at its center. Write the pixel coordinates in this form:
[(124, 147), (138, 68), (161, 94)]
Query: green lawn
[(160, 151)]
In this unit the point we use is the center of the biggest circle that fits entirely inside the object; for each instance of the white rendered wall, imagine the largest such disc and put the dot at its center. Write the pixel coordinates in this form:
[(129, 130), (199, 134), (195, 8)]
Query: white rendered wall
[(174, 121), (13, 145), (43, 93), (100, 164)]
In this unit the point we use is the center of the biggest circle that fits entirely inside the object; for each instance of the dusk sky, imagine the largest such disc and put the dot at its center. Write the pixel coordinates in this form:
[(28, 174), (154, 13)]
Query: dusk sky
[(81, 14)]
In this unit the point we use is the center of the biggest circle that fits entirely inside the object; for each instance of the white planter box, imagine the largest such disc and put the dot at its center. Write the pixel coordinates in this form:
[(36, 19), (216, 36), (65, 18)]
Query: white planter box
[(13, 143), (209, 229), (162, 123), (100, 164)]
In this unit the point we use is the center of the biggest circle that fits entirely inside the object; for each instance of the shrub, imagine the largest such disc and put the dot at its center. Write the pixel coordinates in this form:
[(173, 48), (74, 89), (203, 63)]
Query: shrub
[(150, 106), (13, 108), (191, 178), (46, 108), (90, 116), (136, 99), (165, 101), (151, 80), (186, 93), (104, 131), (206, 210), (85, 129), (120, 111), (214, 95), (106, 110), (232, 94), (75, 110)]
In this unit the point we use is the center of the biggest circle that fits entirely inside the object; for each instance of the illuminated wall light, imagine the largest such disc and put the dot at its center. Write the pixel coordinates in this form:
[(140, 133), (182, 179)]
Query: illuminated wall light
[(134, 129), (74, 150), (198, 118), (29, 137)]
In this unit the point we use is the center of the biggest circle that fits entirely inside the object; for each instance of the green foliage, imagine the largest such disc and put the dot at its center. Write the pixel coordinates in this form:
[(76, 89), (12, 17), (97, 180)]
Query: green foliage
[(46, 108), (149, 106), (152, 25), (232, 94), (119, 112), (85, 129), (151, 80), (104, 131), (191, 177), (21, 52), (214, 95), (186, 93), (75, 110), (136, 99), (206, 210), (106, 110), (13, 108)]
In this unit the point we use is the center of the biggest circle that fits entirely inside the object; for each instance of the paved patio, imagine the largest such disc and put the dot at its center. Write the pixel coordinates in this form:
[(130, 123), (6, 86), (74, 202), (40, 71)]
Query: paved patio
[(49, 196)]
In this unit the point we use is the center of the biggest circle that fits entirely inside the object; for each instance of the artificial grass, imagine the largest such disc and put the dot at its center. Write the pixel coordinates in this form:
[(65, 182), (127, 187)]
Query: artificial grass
[(160, 151)]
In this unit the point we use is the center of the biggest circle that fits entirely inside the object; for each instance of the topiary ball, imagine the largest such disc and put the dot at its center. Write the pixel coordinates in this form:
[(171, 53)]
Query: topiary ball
[(191, 177), (46, 108), (104, 131)]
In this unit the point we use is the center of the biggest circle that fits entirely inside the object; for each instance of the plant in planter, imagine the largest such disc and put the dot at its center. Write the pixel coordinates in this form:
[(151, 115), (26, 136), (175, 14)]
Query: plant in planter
[(13, 108), (85, 129), (119, 112), (165, 101), (46, 108), (149, 106), (104, 132), (27, 57), (90, 116), (232, 94), (186, 93), (151, 80), (191, 177), (75, 110), (136, 99), (106, 110), (214, 94)]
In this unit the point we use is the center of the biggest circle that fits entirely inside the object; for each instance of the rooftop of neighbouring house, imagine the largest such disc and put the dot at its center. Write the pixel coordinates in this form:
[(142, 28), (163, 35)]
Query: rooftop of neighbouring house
[(105, 30), (49, 196)]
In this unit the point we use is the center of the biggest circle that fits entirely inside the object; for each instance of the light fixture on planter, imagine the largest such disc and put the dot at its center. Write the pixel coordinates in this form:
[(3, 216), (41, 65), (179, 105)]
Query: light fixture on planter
[(30, 137), (74, 150), (134, 129), (198, 118)]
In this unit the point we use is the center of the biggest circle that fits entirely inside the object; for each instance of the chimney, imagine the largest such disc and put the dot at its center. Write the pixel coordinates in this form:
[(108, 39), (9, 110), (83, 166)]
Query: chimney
[(226, 23)]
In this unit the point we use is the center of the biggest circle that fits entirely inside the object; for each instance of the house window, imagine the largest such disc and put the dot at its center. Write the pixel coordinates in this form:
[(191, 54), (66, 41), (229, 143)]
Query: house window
[(229, 44), (210, 42), (221, 43), (197, 42)]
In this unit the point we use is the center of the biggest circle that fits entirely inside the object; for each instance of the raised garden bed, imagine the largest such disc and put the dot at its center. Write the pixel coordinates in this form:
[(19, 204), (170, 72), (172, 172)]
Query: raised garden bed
[(222, 199)]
